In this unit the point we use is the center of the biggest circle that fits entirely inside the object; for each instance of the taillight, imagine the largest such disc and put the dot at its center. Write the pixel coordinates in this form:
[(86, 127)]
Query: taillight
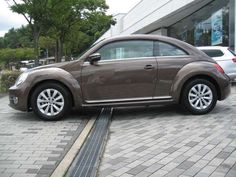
[(234, 60), (219, 68)]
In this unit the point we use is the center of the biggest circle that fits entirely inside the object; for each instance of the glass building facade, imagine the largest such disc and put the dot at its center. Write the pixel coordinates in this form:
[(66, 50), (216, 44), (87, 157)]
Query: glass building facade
[(212, 25)]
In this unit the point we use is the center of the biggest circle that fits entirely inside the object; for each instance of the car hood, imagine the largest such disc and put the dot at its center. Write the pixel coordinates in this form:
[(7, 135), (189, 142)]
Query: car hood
[(63, 65)]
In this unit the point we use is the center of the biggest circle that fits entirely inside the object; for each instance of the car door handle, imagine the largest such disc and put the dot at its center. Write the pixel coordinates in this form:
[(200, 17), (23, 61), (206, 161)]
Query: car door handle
[(148, 67)]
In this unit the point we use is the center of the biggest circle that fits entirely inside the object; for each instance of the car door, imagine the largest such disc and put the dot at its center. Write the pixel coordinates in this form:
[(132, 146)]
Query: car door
[(170, 59), (127, 71)]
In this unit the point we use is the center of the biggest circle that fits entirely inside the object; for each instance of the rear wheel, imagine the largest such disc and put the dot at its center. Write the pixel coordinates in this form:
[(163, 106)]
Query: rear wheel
[(199, 96), (51, 101)]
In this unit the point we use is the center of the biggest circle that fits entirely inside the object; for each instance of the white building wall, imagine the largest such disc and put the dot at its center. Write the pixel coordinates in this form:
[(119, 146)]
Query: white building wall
[(151, 15), (150, 11), (141, 12)]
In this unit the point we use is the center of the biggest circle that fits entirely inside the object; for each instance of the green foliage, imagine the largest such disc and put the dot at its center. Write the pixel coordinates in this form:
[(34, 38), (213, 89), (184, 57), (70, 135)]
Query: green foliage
[(8, 55), (68, 25), (47, 42), (15, 38), (8, 79)]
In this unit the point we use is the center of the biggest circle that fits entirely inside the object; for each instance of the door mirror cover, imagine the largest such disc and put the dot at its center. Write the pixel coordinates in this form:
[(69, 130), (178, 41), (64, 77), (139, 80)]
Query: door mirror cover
[(94, 58)]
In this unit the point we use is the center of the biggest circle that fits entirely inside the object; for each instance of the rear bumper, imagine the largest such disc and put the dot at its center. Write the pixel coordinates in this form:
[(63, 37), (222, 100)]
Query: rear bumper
[(225, 89)]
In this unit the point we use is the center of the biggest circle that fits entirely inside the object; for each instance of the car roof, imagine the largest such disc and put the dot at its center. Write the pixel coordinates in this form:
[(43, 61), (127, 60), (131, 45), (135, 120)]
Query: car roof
[(191, 49)]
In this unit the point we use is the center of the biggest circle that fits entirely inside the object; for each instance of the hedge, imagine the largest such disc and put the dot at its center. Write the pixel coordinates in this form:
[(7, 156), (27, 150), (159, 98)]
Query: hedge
[(7, 79)]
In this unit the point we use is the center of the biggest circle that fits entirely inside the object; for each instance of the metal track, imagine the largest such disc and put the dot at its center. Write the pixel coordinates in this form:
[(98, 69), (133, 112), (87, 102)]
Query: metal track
[(87, 161)]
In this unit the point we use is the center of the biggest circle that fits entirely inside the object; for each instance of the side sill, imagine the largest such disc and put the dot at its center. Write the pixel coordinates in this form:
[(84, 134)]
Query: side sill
[(129, 103)]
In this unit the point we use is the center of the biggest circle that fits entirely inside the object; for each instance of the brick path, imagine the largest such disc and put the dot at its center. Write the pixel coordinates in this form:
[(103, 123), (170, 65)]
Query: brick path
[(30, 147), (166, 141)]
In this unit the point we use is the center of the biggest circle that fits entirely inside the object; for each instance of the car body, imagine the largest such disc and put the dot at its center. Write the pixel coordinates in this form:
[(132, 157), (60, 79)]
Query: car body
[(224, 57), (124, 71)]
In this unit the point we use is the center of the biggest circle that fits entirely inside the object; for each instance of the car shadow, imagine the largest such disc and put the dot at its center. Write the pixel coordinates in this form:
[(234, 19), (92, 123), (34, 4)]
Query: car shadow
[(149, 111), (74, 115), (164, 111)]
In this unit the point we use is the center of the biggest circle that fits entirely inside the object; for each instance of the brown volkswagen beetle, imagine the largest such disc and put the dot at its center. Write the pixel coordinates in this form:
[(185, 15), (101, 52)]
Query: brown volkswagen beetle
[(124, 71)]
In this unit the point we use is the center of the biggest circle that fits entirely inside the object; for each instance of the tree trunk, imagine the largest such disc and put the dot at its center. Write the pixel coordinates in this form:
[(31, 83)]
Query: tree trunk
[(60, 49), (56, 52), (36, 45)]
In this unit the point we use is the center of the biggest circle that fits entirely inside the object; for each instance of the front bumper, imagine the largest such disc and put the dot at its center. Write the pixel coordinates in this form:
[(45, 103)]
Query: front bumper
[(18, 98)]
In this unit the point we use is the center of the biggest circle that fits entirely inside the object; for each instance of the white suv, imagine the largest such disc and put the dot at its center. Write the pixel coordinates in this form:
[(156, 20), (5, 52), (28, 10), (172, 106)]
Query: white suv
[(224, 57)]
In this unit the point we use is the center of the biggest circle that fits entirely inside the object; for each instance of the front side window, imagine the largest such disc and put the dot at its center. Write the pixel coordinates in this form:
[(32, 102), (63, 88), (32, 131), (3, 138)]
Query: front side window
[(127, 49), (166, 49)]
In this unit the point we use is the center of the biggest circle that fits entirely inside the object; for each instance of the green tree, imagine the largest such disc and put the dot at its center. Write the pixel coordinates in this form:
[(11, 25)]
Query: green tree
[(75, 14), (8, 55), (16, 38), (48, 44), (36, 14), (2, 43), (64, 21)]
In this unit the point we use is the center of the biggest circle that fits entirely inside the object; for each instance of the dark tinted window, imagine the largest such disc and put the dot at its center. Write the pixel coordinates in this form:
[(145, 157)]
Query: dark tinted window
[(166, 49), (127, 49), (213, 53)]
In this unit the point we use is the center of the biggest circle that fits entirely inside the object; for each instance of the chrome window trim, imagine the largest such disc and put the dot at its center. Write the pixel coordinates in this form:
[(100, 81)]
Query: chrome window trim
[(86, 63), (175, 56), (122, 59)]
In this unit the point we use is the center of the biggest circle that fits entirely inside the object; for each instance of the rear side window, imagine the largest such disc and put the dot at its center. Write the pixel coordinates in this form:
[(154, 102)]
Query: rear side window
[(213, 53), (166, 49)]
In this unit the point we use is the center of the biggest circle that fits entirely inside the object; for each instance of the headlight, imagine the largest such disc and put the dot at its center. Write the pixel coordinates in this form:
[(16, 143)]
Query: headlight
[(21, 78)]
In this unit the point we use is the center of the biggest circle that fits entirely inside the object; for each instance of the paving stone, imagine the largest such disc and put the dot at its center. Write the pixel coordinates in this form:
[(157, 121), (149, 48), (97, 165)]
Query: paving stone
[(192, 171), (170, 150), (105, 172), (191, 144), (168, 142), (136, 170), (159, 173), (34, 171), (231, 173), (174, 173), (154, 168), (185, 165), (223, 155), (143, 174), (140, 149), (120, 171), (28, 144), (202, 175)]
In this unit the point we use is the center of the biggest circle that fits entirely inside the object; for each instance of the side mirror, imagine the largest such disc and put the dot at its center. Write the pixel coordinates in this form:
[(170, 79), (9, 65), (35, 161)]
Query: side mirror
[(94, 58)]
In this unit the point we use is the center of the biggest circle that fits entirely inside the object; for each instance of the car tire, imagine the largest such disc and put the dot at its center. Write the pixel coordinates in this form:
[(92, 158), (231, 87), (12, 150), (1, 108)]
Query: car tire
[(199, 96), (51, 101)]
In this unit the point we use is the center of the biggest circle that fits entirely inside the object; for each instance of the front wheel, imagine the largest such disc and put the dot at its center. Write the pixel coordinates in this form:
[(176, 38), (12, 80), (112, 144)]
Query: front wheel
[(50, 101), (199, 96)]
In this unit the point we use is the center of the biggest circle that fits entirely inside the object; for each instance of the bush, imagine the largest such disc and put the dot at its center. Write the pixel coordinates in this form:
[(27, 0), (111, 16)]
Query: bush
[(8, 79)]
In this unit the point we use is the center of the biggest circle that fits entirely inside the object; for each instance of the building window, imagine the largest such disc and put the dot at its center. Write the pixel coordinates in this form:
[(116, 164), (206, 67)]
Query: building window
[(209, 26)]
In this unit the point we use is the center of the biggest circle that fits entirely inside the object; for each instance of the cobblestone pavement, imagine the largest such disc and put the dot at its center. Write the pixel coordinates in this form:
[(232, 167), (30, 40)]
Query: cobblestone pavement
[(165, 141), (30, 147)]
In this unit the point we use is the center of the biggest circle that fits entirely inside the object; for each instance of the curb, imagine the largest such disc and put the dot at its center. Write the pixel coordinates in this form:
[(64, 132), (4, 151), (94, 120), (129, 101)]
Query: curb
[(64, 165)]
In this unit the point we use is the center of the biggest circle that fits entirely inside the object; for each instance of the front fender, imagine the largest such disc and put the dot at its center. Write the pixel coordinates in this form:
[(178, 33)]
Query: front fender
[(192, 70), (59, 75)]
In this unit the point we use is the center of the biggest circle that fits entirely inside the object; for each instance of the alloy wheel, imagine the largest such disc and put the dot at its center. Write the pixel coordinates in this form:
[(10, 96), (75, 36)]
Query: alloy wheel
[(50, 102), (200, 96)]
